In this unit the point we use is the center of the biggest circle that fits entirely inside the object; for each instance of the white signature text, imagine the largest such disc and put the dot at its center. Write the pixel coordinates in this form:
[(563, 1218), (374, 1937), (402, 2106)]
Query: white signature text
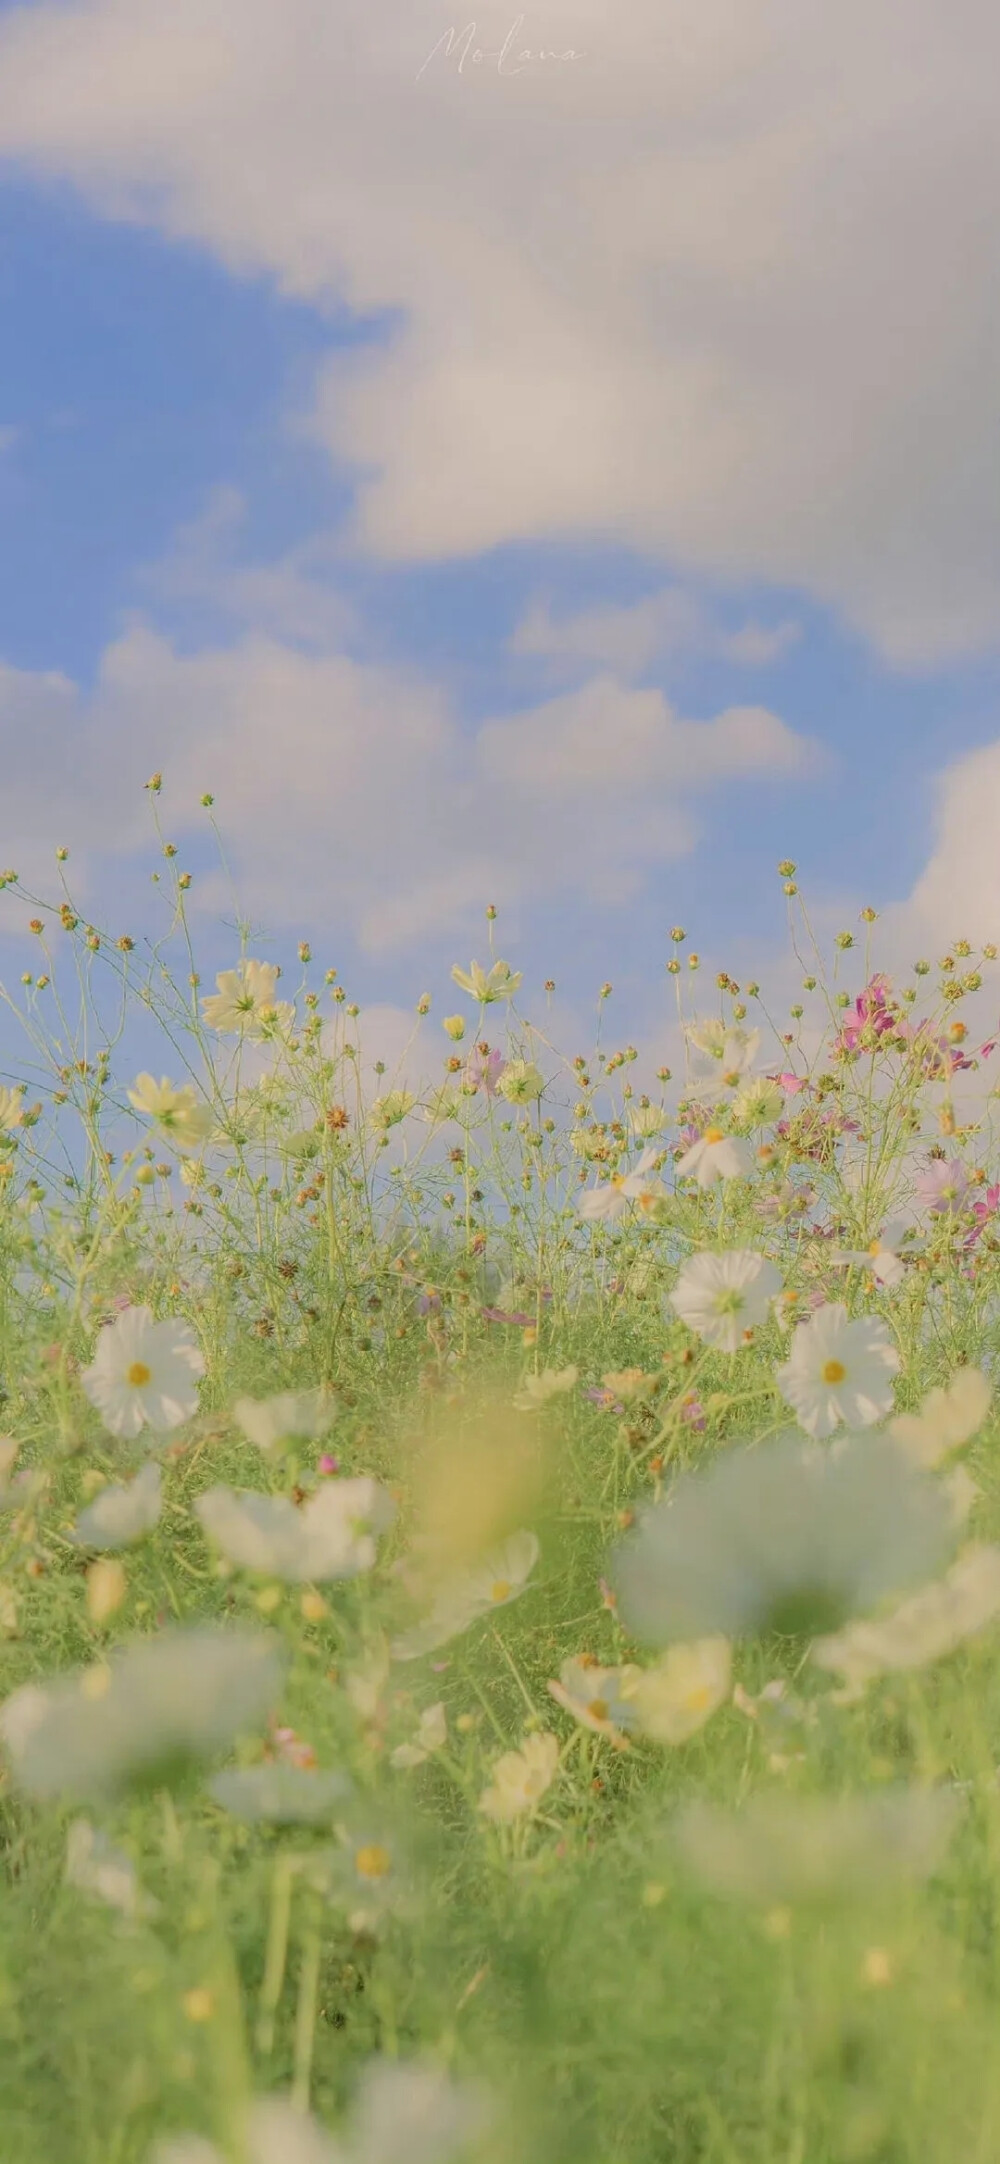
[(510, 58)]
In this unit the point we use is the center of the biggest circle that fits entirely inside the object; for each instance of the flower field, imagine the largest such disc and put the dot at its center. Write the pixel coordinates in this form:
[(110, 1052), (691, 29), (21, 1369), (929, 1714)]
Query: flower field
[(499, 1566)]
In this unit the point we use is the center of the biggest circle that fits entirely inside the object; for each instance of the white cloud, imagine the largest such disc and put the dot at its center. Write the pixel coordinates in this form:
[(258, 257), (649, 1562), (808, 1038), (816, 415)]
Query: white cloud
[(722, 291), (285, 599), (348, 789), (630, 637), (958, 893)]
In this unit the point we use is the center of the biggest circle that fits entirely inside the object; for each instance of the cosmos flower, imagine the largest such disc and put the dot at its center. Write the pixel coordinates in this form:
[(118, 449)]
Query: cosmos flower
[(244, 1003), (673, 1700), (144, 1371), (484, 1069), (521, 1778), (757, 1103), (597, 1697), (11, 1108), (141, 1716), (487, 985), (536, 1390), (331, 1536), (727, 1056), (390, 1110), (431, 1735), (180, 1115), (948, 1417), (722, 1297), (610, 1201), (983, 1210), (942, 1186), (781, 1849), (715, 1156), (119, 1515), (521, 1082), (782, 1537), (288, 1416), (880, 1256), (924, 1628), (494, 1583), (96, 1867), (838, 1370), (403, 2114), (646, 1121)]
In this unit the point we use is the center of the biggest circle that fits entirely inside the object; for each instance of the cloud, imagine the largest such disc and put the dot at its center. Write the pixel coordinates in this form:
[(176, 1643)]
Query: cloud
[(348, 790), (958, 893), (722, 291), (285, 600), (629, 638)]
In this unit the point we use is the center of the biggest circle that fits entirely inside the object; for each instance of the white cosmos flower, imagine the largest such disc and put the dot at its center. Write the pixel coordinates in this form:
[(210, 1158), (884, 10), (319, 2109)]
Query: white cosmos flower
[(611, 1200), (431, 1736), (727, 1055), (723, 1296), (922, 1629), (159, 1703), (947, 1418), (646, 1121), (673, 1700), (96, 1867), (715, 1156), (838, 1370), (521, 1778), (244, 1001), (11, 1108), (880, 1257), (288, 1415), (521, 1082), (782, 1848), (331, 1536), (390, 1110), (144, 1371), (757, 1102), (599, 1698), (181, 1116), (487, 985), (494, 1583), (536, 1390), (403, 2114), (119, 1515)]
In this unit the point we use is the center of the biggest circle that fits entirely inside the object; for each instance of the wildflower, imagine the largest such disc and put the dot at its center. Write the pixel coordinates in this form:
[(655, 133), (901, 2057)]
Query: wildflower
[(431, 1736), (454, 1026), (487, 985), (777, 1849), (715, 1156), (483, 1069), (983, 1210), (366, 1875), (598, 1698), (122, 1514), (280, 1795), (931, 1624), (183, 1118), (880, 1257), (783, 1537), (521, 1778), (728, 1054), (947, 1418), (442, 1104), (142, 1715), (757, 1103), (646, 1121), (500, 1578), (404, 2114), (332, 1536), (96, 1867), (521, 1082), (873, 1015), (536, 1390), (143, 1371), (388, 1111), (11, 1108), (611, 1200), (244, 1001), (942, 1186), (291, 1414), (838, 1370), (674, 1700), (723, 1296)]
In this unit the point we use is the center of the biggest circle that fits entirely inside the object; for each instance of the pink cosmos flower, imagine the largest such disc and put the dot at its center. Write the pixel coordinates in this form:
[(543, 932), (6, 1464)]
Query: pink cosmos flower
[(982, 1211), (792, 1084), (874, 1009), (942, 1186), (483, 1069), (498, 1314)]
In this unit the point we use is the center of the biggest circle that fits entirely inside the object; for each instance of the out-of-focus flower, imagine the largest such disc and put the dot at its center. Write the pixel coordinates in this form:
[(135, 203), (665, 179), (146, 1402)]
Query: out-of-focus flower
[(536, 1390), (521, 1082), (442, 1104), (727, 1055), (983, 1209), (499, 1579), (880, 1256), (141, 1715), (404, 2114), (487, 985), (783, 1537), (723, 1296), (280, 1795), (948, 1418), (875, 1014), (646, 1121), (715, 1156), (96, 1867), (922, 1629), (390, 1110), (484, 1069), (119, 1515), (144, 1371), (11, 1108), (332, 1536), (838, 1370), (942, 1186), (180, 1115), (244, 1002), (521, 1778), (431, 1736), (598, 1698), (673, 1700), (611, 1200), (288, 1416), (816, 1848), (757, 1103)]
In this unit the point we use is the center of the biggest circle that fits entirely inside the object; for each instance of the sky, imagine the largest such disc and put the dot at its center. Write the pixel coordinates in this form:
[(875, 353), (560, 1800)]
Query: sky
[(565, 479)]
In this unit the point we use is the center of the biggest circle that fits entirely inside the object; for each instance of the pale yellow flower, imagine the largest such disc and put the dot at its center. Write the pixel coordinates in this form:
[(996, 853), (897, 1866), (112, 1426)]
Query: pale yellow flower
[(487, 985), (11, 1107), (521, 1082), (181, 1116), (931, 1624), (245, 1001), (520, 1779), (672, 1701), (947, 1418), (536, 1390)]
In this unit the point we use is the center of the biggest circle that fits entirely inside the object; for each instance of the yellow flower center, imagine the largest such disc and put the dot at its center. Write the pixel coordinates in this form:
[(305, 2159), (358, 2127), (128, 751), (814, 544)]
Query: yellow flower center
[(699, 1698), (598, 1707), (138, 1374), (373, 1861), (874, 1247), (714, 1134), (500, 1589), (834, 1371)]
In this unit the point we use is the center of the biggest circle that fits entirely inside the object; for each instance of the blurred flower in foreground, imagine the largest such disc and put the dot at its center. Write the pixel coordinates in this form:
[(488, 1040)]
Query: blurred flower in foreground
[(280, 1795), (521, 1082), (144, 1371), (880, 1257), (244, 1000), (494, 1582), (724, 1055), (674, 1700), (182, 1117), (536, 1390), (389, 1110), (838, 1370), (332, 1536), (948, 1417), (611, 1200), (431, 1736), (121, 1514), (11, 1108), (96, 1867), (142, 1716), (483, 1069), (521, 1778), (404, 2114), (487, 985), (778, 1849), (596, 1697), (723, 1296), (783, 1537), (942, 1186), (715, 1156), (931, 1624), (286, 1417)]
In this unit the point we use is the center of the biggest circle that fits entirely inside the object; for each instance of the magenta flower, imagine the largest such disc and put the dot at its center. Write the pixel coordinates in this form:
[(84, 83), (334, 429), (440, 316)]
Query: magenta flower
[(604, 1398), (483, 1069), (790, 1083), (874, 1009), (500, 1314), (942, 1186), (982, 1211), (328, 1464)]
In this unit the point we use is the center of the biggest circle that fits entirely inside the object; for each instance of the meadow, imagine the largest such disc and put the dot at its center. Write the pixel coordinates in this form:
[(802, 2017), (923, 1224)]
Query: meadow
[(499, 1578)]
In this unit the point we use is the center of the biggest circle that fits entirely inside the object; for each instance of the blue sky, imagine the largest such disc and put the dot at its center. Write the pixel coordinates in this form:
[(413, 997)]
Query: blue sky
[(186, 457)]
